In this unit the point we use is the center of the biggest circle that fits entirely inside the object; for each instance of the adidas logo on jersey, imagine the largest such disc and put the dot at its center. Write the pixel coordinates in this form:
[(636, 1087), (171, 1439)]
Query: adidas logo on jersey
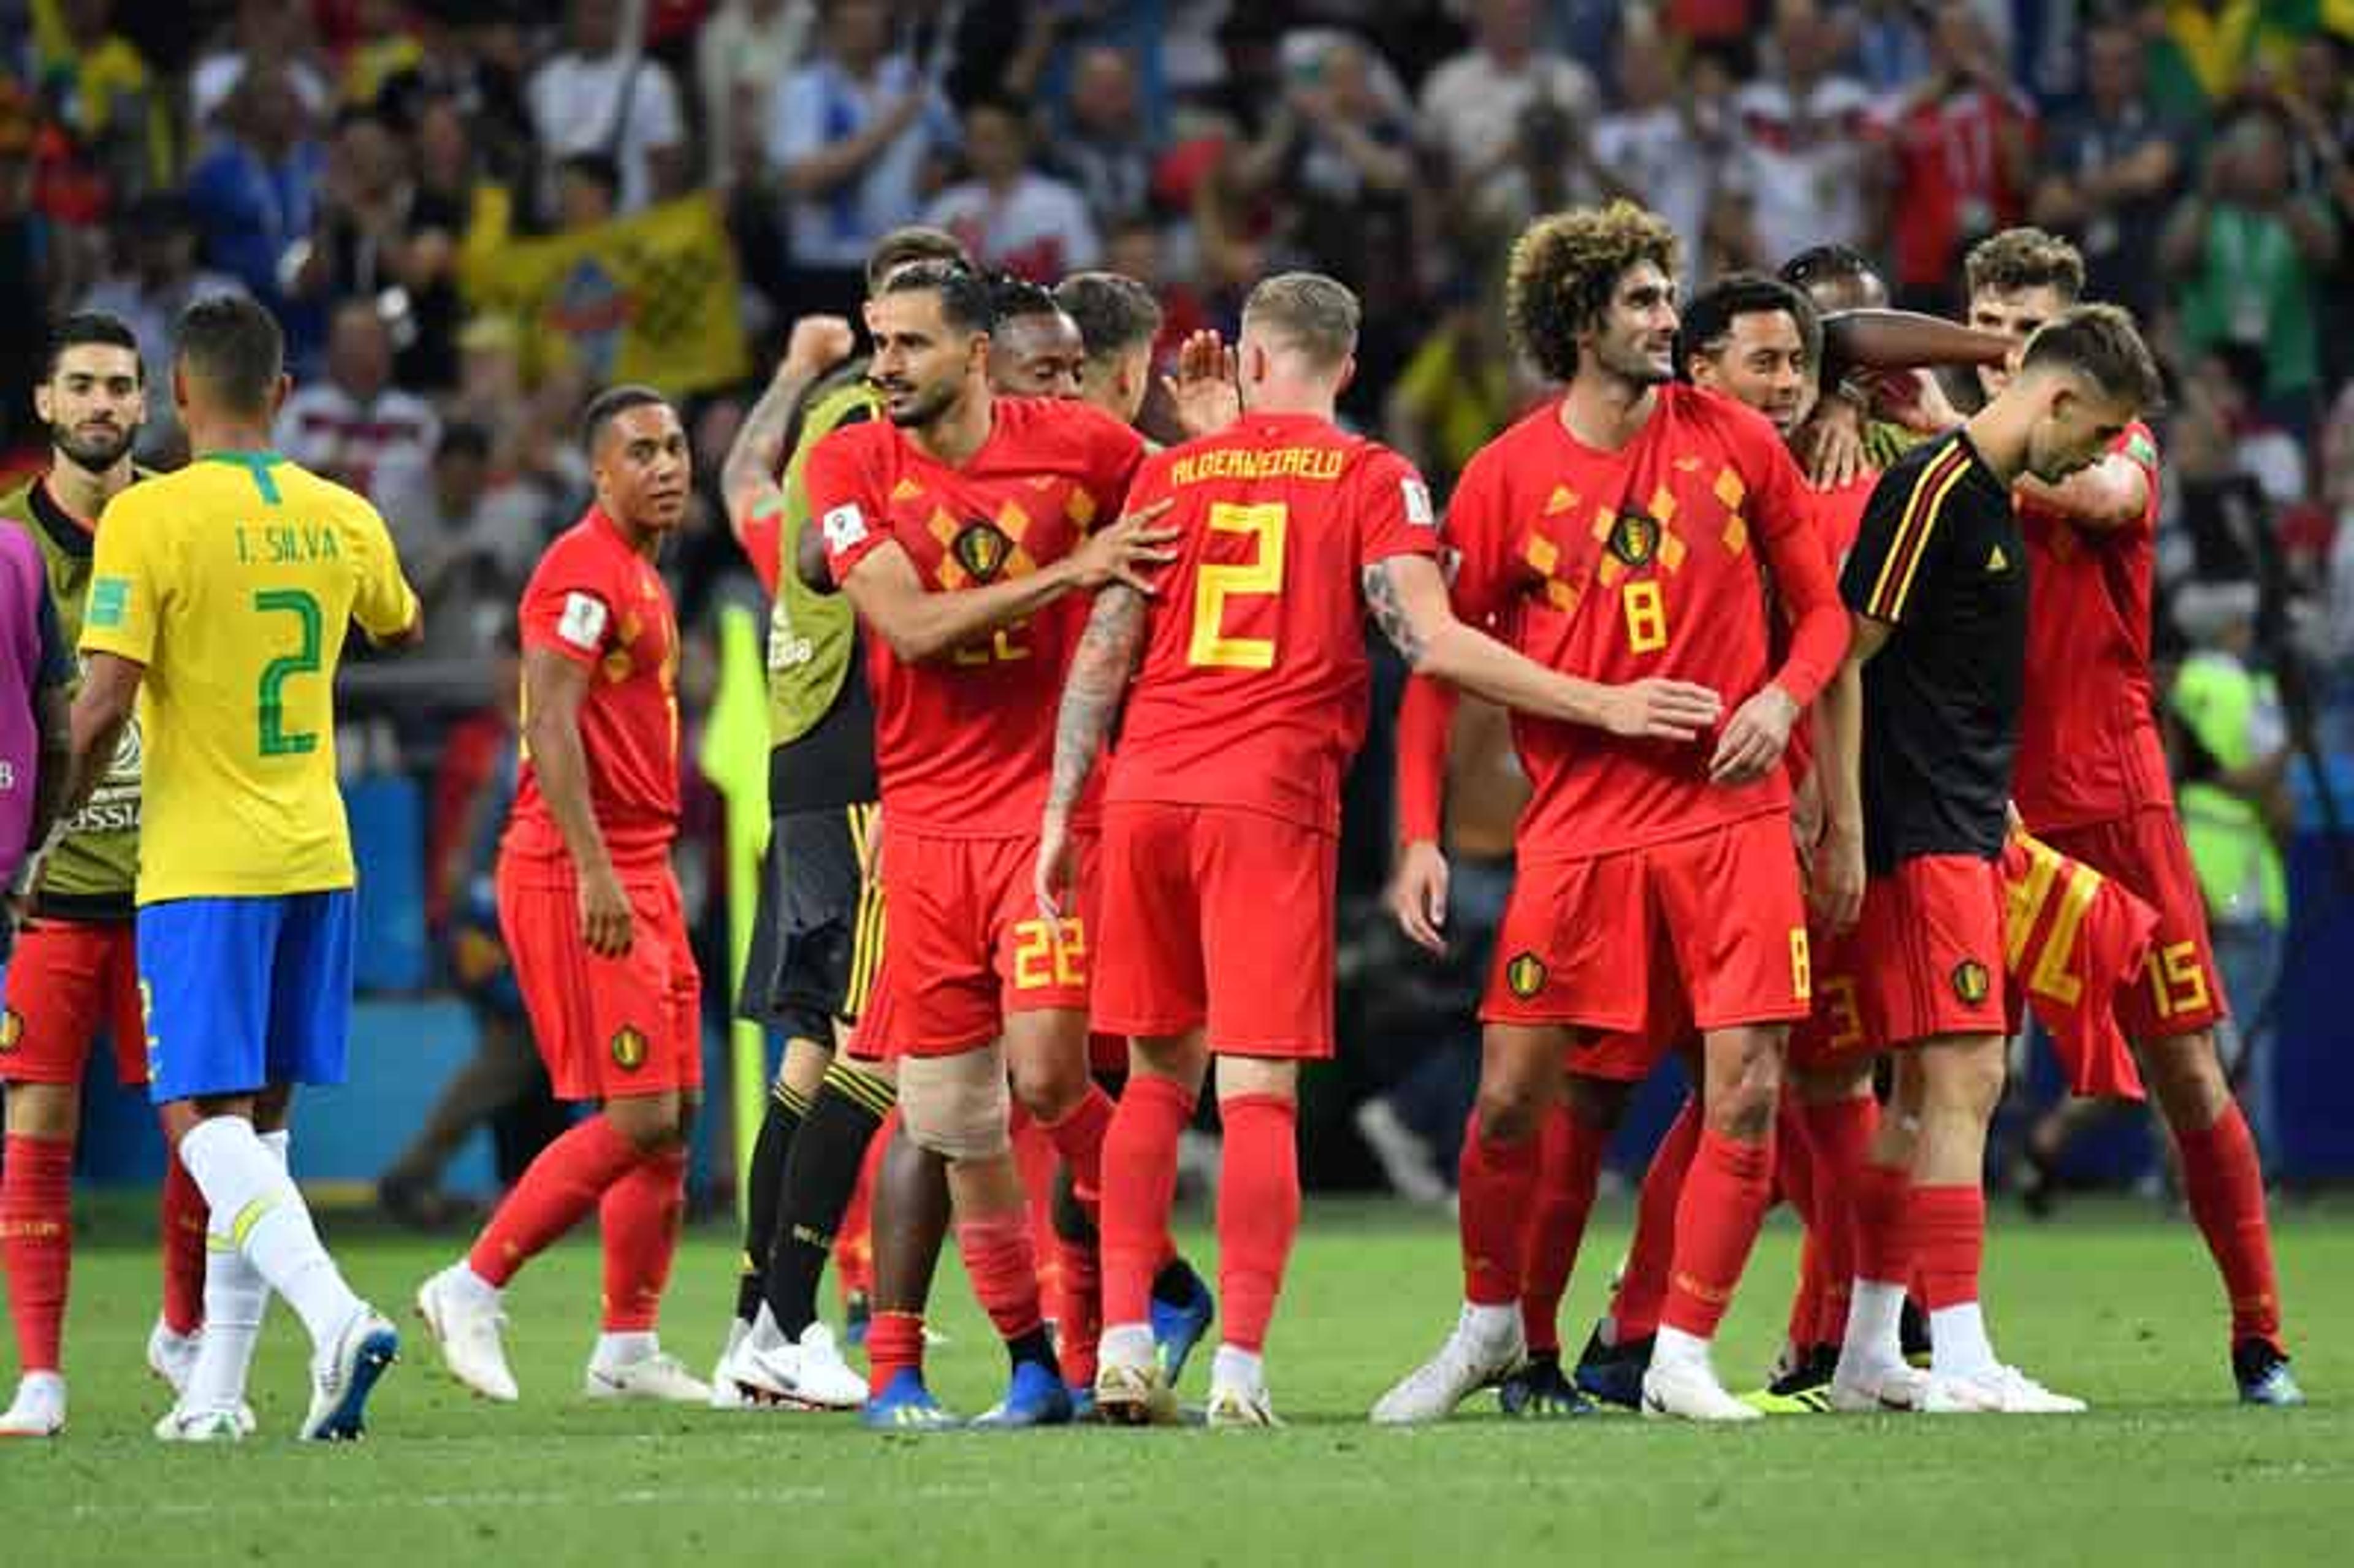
[(1997, 561)]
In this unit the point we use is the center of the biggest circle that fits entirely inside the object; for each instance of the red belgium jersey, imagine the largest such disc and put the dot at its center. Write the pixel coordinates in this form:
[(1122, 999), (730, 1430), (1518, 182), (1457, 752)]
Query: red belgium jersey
[(1252, 689), (965, 742), (1839, 518), (2074, 939), (2089, 750), (1642, 562), (595, 601)]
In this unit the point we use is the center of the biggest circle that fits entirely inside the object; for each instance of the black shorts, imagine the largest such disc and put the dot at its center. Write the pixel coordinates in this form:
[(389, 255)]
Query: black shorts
[(817, 940)]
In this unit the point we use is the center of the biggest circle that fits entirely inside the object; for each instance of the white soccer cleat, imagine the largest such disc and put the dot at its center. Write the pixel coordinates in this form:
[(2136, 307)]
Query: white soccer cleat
[(1231, 1404), (346, 1375), (39, 1408), (724, 1394), (811, 1373), (173, 1357), (466, 1325), (1471, 1358), (214, 1425), (1878, 1390), (1689, 1390), (2005, 1391), (659, 1377), (1135, 1394)]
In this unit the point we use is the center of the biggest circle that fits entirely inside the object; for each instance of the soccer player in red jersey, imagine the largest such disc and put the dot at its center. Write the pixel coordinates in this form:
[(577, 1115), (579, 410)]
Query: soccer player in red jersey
[(2093, 784), (591, 911), (1222, 807), (1630, 528), (1922, 726), (959, 529)]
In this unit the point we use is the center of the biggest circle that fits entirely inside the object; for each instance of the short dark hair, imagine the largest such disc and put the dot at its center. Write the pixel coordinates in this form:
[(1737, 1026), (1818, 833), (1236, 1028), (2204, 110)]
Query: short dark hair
[(1565, 268), (1010, 297), (88, 327), (1115, 312), (463, 439), (1826, 264), (966, 300), (233, 346), (2020, 258), (610, 403), (1708, 319), (2101, 344), (1315, 314), (915, 242), (598, 168)]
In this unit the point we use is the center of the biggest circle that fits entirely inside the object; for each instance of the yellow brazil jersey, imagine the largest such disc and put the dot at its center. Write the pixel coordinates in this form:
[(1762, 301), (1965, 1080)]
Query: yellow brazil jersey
[(232, 581)]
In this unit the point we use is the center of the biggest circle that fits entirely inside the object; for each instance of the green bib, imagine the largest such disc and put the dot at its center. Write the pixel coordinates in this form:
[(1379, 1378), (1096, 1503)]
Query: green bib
[(810, 633)]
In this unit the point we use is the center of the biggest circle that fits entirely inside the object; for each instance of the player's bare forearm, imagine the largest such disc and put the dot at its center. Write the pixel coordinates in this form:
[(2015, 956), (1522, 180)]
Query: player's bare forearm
[(809, 559), (919, 625), (1839, 732), (553, 689), (1092, 691), (109, 690), (747, 478), (2112, 494), (1903, 340)]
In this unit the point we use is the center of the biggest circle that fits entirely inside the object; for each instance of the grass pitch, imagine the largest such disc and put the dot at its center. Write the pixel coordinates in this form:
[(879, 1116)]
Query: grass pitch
[(2108, 1302)]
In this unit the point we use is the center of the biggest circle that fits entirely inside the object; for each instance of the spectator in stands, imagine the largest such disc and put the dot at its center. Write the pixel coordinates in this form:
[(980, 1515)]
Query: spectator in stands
[(2110, 170), (467, 540), (98, 88), (1655, 145), (157, 278), (382, 235), (1472, 105), (603, 94), (742, 51), (587, 192), (256, 195), (1801, 156), (1960, 161), (26, 276), (850, 139), (386, 42), (2317, 97), (269, 32), (2245, 253), (355, 421), (1102, 145), (1461, 385), (1009, 215)]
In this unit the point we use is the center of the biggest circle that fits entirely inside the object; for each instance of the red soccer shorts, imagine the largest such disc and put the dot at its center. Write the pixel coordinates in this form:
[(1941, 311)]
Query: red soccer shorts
[(2180, 991), (608, 1028), (1581, 939), (966, 945), (1838, 1027), (1217, 919), (1930, 945), (65, 978)]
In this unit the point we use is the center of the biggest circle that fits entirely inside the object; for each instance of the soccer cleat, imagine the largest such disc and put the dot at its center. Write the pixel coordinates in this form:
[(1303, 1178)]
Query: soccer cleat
[(724, 1394), (467, 1326), (1232, 1405), (2262, 1370), (905, 1405), (660, 1378), (811, 1373), (173, 1357), (1469, 1359), (1802, 1387), (1128, 1396), (1034, 1396), (1875, 1390), (1614, 1374), (39, 1408), (179, 1425), (1541, 1391), (1083, 1402), (1178, 1326), (1688, 1391), (2005, 1391), (342, 1379)]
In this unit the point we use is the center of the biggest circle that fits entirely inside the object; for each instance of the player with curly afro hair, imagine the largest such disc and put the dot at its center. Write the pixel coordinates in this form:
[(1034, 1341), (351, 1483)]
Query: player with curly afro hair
[(1565, 271)]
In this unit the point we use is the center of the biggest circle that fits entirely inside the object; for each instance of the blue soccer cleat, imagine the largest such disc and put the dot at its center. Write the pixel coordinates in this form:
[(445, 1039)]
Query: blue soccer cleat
[(1034, 1398), (2262, 1372), (1179, 1326), (906, 1406), (1614, 1374), (1083, 1402), (1540, 1391), (342, 1381)]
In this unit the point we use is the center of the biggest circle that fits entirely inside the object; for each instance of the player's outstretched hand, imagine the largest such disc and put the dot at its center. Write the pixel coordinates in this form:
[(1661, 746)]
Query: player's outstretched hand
[(1752, 743), (1835, 888), (1053, 876), (1130, 551), (1207, 388), (816, 344), (1658, 709), (1418, 895), (605, 918)]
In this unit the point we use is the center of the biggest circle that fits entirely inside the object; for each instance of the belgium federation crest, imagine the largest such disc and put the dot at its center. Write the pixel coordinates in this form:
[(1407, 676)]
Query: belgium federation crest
[(1971, 981), (629, 1049), (981, 549), (1525, 974), (1635, 538), (12, 1030)]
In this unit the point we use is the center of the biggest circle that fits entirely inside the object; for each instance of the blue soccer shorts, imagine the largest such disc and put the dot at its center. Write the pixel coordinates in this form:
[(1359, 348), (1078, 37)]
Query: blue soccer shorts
[(244, 992)]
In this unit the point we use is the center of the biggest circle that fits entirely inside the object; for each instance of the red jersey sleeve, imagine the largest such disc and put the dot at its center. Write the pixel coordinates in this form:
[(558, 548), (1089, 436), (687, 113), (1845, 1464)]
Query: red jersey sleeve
[(848, 505), (1115, 453), (567, 605), (1425, 722), (1392, 509), (1475, 524), (1783, 516), (760, 532)]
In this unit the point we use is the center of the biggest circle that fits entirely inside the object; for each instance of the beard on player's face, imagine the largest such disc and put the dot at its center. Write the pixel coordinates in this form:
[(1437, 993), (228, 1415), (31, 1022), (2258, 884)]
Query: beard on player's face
[(93, 447)]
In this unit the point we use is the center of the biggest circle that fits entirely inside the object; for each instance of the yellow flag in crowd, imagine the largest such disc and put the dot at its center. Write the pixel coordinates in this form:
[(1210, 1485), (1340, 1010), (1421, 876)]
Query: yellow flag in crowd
[(648, 298)]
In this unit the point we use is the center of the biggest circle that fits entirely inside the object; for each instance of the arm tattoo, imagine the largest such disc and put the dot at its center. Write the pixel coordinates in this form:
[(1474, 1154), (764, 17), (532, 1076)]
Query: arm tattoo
[(1092, 693), (758, 452), (1382, 600)]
